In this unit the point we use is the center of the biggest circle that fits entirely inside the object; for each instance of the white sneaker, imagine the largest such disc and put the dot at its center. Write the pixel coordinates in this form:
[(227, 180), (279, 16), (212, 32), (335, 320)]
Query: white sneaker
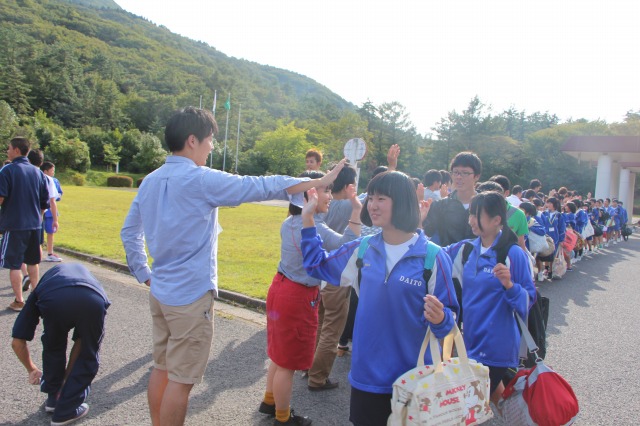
[(52, 258), (540, 276)]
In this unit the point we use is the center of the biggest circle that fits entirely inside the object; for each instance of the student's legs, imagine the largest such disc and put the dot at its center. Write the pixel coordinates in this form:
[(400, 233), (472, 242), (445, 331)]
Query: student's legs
[(34, 274), (173, 409), (282, 386), (50, 243), (15, 276)]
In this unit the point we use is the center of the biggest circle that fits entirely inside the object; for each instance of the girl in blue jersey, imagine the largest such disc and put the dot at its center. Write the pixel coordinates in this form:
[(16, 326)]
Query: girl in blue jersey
[(492, 292), (556, 228), (396, 305), (292, 305)]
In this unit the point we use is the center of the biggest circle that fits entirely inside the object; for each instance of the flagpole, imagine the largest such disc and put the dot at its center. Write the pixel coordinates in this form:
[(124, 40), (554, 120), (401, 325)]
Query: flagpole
[(226, 132), (213, 110), (238, 137)]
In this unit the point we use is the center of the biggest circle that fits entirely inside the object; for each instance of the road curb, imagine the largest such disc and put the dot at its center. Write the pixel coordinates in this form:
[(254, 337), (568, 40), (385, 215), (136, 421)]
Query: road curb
[(229, 296)]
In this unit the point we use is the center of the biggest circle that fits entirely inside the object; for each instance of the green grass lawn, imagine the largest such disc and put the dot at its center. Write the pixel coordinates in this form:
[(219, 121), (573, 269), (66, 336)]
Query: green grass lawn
[(248, 250)]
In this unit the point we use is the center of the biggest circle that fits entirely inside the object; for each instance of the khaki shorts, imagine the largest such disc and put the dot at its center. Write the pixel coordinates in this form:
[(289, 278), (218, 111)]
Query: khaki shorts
[(182, 337)]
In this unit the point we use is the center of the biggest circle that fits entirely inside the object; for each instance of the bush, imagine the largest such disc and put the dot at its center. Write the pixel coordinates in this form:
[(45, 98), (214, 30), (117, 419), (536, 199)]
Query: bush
[(120, 181), (78, 179), (139, 182)]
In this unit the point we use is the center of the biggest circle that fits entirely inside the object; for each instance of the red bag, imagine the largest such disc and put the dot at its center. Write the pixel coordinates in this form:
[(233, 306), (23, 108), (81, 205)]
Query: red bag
[(538, 396), (570, 239)]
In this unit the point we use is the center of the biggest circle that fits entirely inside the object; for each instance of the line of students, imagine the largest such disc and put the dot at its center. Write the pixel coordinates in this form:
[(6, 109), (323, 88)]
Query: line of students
[(398, 302)]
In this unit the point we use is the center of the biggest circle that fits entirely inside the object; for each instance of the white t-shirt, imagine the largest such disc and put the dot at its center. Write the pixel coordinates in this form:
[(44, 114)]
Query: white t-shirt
[(514, 201), (395, 252), (51, 187)]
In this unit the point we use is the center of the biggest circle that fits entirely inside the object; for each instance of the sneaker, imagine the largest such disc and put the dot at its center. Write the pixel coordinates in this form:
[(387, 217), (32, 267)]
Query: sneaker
[(26, 283), (540, 276), (81, 411), (267, 409), (52, 258), (50, 403), (293, 421), (569, 269), (16, 306), (327, 385)]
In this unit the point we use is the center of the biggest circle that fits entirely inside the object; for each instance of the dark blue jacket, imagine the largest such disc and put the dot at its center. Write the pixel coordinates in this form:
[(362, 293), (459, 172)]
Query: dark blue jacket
[(25, 193)]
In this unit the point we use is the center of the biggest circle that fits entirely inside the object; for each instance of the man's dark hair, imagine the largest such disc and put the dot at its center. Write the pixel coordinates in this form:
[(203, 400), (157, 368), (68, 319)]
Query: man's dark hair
[(537, 202), (503, 181), (535, 183), (47, 165), (467, 159), (572, 207), (23, 144), (517, 189), (528, 194), (490, 186), (446, 177), (186, 122), (35, 157), (347, 176), (311, 174), (405, 212), (431, 177), (608, 199), (378, 170)]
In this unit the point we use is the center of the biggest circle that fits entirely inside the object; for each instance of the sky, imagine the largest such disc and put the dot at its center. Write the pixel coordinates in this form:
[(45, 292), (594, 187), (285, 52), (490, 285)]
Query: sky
[(573, 58)]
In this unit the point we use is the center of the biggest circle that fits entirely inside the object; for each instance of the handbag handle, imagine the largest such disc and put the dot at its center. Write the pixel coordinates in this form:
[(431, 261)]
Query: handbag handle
[(430, 340)]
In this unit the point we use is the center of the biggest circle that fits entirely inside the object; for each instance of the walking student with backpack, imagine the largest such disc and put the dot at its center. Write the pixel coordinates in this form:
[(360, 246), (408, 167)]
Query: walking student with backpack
[(404, 283), (496, 282)]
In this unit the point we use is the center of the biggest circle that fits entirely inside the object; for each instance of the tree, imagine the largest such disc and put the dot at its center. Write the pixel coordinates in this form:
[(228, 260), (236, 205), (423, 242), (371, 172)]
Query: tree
[(8, 124), (111, 155), (151, 155), (284, 149), (69, 153)]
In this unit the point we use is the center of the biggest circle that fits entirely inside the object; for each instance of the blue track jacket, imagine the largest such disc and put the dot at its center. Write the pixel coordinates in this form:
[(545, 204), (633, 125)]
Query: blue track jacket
[(491, 334), (556, 226), (390, 324)]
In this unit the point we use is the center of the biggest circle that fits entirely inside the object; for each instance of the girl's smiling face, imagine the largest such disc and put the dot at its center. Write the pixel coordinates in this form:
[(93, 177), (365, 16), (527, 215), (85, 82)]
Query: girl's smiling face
[(380, 208)]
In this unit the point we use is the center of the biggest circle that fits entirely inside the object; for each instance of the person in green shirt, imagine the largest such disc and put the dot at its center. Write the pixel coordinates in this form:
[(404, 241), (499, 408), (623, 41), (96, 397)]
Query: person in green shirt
[(516, 219)]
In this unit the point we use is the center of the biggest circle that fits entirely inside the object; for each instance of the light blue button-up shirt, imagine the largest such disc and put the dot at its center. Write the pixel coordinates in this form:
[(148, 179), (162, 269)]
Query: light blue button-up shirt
[(176, 214)]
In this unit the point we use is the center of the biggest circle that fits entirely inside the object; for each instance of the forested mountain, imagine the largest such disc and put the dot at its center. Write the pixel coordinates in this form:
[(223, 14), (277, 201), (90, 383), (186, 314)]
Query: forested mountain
[(111, 69)]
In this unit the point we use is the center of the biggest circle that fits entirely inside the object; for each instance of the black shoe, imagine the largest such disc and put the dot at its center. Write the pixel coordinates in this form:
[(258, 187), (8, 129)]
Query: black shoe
[(267, 409), (327, 385), (26, 283), (294, 421)]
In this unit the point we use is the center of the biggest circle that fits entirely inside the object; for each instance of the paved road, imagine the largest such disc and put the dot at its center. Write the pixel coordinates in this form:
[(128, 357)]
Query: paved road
[(592, 342)]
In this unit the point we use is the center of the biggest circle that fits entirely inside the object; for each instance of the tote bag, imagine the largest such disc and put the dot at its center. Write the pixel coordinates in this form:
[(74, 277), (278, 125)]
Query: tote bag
[(538, 243), (559, 264), (447, 393), (588, 231)]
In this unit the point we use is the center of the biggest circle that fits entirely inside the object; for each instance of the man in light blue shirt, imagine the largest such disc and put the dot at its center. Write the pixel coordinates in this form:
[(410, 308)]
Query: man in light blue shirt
[(176, 214)]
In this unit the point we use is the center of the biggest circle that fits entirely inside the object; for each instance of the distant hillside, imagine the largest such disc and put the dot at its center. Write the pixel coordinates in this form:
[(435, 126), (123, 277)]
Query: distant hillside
[(98, 4), (109, 68)]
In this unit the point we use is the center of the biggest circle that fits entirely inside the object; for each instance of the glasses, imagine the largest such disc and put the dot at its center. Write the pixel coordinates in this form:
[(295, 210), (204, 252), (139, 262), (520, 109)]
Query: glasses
[(461, 174)]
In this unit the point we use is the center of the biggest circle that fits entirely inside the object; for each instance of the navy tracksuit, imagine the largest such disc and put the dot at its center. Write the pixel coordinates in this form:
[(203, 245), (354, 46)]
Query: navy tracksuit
[(67, 297)]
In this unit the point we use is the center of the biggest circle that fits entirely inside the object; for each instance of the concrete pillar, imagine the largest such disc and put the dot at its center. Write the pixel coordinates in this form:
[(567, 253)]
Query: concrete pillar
[(631, 196), (615, 180), (603, 176), (623, 188)]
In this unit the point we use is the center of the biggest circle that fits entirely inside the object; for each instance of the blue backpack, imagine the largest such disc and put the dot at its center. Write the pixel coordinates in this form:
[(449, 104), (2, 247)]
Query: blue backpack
[(429, 259)]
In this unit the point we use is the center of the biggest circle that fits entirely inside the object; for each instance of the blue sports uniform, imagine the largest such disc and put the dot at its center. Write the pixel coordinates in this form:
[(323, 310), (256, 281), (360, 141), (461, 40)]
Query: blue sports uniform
[(491, 334), (390, 324)]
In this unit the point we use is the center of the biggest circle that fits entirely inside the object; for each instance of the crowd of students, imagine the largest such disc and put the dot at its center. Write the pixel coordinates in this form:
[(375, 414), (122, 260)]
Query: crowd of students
[(475, 224), (333, 241)]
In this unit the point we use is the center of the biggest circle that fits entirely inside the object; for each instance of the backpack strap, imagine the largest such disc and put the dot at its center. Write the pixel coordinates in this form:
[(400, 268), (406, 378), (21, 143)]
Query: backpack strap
[(362, 248), (511, 211), (466, 251), (429, 261)]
